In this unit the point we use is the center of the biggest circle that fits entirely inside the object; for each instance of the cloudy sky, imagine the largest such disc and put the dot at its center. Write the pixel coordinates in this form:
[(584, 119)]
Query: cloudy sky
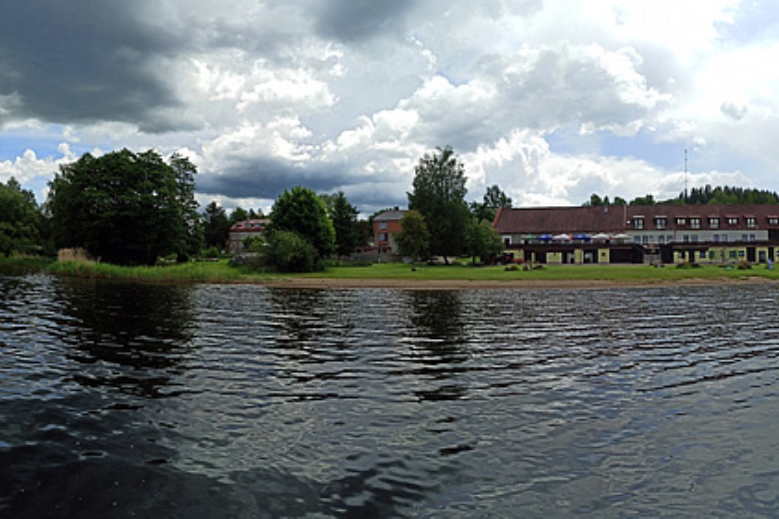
[(553, 100)]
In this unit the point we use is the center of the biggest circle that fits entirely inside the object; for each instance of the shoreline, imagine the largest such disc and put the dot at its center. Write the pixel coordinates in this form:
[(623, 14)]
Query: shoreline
[(454, 284)]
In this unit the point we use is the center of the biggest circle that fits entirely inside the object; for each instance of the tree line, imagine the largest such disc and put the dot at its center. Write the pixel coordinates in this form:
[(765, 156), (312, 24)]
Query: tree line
[(706, 195)]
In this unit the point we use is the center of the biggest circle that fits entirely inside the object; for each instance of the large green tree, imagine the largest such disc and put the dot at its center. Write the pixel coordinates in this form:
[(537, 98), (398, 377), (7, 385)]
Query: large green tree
[(439, 195), (216, 226), (20, 220), (126, 208), (300, 211), (414, 238), (344, 218)]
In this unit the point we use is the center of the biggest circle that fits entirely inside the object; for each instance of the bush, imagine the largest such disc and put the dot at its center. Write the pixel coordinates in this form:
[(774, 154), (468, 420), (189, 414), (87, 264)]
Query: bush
[(744, 265), (210, 253), (289, 252)]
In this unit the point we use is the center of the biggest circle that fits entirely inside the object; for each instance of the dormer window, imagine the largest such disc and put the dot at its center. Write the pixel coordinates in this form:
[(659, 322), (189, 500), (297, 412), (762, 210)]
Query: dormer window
[(751, 222), (695, 223), (681, 220), (714, 223), (638, 222), (732, 220), (661, 222)]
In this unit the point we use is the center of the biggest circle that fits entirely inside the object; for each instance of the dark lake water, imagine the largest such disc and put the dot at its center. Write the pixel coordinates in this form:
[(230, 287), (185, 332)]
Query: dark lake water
[(124, 400)]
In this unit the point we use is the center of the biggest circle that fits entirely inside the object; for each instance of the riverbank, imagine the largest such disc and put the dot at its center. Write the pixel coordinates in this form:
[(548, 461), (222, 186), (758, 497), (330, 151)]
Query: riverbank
[(422, 277)]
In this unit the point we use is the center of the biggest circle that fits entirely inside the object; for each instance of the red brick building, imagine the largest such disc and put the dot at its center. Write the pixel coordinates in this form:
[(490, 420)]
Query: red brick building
[(242, 230), (384, 225)]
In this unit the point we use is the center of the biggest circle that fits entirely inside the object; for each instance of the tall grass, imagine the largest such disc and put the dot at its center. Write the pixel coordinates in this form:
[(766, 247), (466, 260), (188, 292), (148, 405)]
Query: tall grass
[(222, 272)]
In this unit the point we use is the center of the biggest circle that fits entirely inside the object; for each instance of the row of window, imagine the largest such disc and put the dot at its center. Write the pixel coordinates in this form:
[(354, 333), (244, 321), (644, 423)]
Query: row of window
[(661, 222), (689, 238), (720, 255)]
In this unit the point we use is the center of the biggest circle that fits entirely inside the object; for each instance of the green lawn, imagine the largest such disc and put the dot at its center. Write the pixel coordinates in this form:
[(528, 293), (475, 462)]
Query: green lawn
[(222, 272), (622, 273)]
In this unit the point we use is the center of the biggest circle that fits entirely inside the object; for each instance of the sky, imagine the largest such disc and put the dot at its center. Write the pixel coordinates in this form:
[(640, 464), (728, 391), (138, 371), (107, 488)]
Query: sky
[(552, 100)]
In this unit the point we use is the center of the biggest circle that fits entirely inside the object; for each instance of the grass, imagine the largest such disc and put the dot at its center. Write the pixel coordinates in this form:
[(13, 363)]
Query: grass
[(221, 272), (618, 273)]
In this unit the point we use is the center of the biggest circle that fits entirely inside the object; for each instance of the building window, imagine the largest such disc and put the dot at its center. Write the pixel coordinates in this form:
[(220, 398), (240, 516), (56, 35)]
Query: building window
[(383, 236), (661, 222), (703, 254), (637, 239), (661, 239), (752, 237), (681, 221), (751, 223), (645, 240), (732, 220), (382, 226), (715, 238), (686, 238), (773, 220), (638, 223), (724, 237), (744, 237), (695, 223), (695, 238), (733, 254), (714, 223)]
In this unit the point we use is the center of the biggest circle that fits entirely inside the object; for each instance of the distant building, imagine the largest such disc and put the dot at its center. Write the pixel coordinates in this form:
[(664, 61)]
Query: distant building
[(242, 230), (384, 226), (642, 233)]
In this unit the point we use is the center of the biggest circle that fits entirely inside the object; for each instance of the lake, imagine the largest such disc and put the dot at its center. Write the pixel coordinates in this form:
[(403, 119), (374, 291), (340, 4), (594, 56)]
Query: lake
[(138, 400)]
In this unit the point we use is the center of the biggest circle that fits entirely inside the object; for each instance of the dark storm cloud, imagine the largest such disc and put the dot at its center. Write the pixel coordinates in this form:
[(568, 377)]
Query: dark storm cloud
[(83, 61), (267, 178), (354, 20)]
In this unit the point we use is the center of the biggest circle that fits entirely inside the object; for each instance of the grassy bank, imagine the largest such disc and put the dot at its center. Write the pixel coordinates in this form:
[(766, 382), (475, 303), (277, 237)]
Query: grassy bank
[(196, 272), (222, 272)]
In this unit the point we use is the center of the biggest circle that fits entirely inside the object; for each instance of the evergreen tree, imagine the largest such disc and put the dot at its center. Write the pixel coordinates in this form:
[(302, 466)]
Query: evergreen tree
[(344, 218), (216, 226)]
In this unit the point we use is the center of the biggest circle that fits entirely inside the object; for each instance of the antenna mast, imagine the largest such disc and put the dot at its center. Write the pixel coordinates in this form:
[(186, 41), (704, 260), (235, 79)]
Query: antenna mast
[(685, 175)]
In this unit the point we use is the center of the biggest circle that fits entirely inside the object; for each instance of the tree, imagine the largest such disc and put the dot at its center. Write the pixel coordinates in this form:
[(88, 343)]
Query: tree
[(643, 200), (494, 198), (216, 226), (290, 252), (302, 212), (20, 219), (414, 238), (483, 240), (344, 218), (239, 214), (125, 208), (439, 193), (193, 226)]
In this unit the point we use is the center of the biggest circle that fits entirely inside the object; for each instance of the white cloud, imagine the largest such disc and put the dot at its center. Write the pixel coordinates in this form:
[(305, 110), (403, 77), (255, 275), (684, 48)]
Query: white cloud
[(267, 95)]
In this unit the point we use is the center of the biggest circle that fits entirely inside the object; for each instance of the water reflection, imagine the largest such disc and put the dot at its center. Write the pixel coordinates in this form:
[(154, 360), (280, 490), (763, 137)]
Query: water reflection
[(437, 335), (129, 337)]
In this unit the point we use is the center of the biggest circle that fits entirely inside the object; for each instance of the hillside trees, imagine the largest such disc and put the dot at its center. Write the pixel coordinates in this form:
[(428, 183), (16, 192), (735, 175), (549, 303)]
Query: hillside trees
[(126, 208), (439, 195), (20, 220)]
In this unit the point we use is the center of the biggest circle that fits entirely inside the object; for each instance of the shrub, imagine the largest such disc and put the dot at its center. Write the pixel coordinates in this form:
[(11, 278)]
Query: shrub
[(290, 252), (744, 265)]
